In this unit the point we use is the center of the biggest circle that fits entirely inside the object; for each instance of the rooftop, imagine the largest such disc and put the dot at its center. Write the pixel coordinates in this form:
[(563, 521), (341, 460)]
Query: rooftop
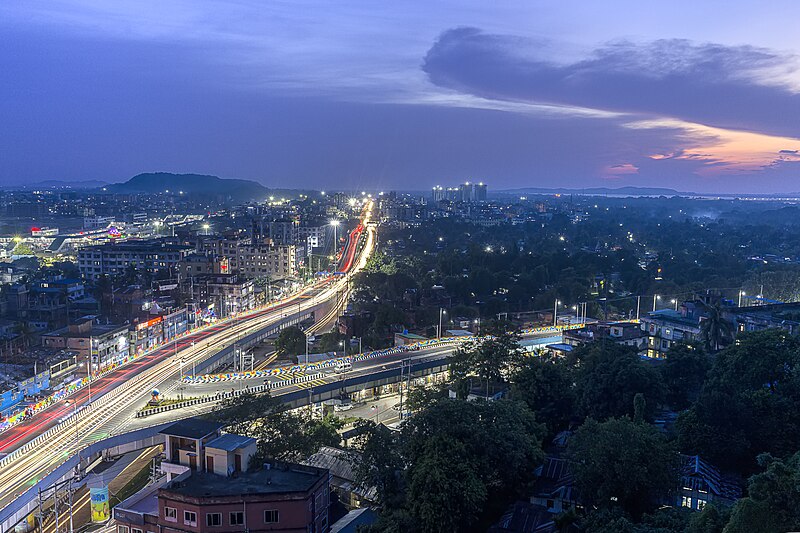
[(230, 442), (275, 480), (192, 428)]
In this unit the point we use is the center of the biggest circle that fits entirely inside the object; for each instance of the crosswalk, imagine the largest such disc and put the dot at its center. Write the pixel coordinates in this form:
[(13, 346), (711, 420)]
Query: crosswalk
[(306, 384)]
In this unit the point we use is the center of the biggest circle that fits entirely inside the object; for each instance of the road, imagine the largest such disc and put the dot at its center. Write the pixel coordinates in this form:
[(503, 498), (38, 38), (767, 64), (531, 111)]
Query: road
[(49, 438)]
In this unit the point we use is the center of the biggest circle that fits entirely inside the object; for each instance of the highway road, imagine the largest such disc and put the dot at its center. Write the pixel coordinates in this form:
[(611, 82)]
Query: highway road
[(117, 396)]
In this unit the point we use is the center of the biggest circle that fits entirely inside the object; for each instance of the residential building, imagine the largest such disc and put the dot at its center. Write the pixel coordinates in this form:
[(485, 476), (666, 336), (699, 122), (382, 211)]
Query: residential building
[(107, 343), (222, 294), (198, 264), (211, 486), (625, 333), (702, 483), (342, 466), (667, 327), (154, 256), (254, 259)]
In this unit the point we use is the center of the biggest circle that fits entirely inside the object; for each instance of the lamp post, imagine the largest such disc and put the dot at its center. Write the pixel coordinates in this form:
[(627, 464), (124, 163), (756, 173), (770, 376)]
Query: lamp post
[(442, 312), (675, 302), (335, 224), (555, 313), (741, 293), (655, 298)]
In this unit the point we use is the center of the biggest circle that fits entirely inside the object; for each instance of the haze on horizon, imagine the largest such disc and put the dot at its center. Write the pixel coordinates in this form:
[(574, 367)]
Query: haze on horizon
[(353, 94)]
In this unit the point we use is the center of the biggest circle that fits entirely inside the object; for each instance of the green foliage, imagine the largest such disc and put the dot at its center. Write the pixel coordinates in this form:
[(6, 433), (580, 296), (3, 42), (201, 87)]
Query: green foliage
[(715, 329), (291, 340), (773, 503), (448, 460), (684, 372), (621, 463), (609, 376), (492, 359), (280, 433), (546, 386), (749, 403)]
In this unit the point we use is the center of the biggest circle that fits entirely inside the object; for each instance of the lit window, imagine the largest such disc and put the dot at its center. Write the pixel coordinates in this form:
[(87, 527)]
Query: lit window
[(686, 502)]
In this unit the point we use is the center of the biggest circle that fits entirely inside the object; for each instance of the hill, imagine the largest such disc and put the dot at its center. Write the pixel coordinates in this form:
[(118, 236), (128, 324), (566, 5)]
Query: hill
[(155, 182)]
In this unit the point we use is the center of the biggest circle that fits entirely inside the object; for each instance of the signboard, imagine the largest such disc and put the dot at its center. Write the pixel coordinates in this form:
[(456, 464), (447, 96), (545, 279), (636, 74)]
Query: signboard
[(99, 504), (149, 323)]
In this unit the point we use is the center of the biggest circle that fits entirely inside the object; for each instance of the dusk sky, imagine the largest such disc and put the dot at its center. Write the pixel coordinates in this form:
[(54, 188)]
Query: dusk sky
[(696, 96)]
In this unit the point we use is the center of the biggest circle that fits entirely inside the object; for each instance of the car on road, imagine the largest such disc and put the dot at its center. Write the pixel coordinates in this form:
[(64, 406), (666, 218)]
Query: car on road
[(343, 366), (342, 407)]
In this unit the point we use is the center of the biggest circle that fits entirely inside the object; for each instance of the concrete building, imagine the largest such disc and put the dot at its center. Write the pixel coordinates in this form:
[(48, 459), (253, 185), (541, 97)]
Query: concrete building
[(107, 343), (212, 487), (154, 257), (222, 294)]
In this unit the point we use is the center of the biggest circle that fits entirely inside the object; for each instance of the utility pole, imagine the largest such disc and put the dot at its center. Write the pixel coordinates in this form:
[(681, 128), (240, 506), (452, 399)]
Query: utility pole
[(638, 306)]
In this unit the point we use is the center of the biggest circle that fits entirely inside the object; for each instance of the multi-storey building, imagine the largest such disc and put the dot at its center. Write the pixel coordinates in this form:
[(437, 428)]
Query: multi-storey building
[(222, 294), (667, 327), (255, 260), (155, 257), (212, 485), (107, 344)]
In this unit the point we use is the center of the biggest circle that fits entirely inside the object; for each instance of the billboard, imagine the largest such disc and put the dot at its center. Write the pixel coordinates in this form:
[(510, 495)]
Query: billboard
[(100, 507)]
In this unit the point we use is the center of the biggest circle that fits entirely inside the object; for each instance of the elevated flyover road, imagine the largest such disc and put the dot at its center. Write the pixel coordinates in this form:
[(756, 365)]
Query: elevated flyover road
[(65, 429)]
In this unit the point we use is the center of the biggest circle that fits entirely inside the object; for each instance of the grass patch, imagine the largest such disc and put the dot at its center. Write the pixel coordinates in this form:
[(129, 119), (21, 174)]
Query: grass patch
[(137, 483)]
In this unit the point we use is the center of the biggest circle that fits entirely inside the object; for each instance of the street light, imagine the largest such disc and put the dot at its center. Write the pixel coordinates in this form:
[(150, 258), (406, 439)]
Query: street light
[(335, 224), (555, 313), (655, 298), (206, 227), (675, 301), (442, 312), (741, 293)]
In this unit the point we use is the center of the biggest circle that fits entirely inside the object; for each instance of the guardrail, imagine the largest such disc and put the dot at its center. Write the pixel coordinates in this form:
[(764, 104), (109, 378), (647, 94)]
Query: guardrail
[(327, 363), (225, 395)]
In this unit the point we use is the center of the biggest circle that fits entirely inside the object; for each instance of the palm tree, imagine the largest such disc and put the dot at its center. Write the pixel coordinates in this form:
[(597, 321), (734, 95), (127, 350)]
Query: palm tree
[(714, 328)]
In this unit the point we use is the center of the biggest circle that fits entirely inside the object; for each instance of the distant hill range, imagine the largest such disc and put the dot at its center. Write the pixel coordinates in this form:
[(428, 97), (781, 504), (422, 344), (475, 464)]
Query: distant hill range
[(155, 182)]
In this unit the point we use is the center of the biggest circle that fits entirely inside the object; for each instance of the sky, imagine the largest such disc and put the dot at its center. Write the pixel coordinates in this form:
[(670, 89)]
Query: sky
[(694, 96)]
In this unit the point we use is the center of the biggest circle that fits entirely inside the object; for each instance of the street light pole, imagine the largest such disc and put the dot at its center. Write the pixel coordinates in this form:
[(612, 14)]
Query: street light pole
[(439, 331), (555, 313)]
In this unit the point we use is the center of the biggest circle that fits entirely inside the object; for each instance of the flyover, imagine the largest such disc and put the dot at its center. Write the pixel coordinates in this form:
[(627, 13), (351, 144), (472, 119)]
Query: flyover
[(56, 436)]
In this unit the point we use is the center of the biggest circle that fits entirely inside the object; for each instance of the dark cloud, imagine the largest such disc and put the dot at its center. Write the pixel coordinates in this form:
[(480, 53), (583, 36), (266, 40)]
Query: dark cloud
[(711, 84)]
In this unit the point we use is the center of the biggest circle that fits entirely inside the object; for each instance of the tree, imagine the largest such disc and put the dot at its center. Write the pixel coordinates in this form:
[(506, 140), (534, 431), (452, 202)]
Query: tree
[(608, 378), (279, 433), (545, 384), (445, 463), (291, 340), (684, 371), (491, 358), (749, 404), (773, 501), (621, 463), (450, 457), (714, 328)]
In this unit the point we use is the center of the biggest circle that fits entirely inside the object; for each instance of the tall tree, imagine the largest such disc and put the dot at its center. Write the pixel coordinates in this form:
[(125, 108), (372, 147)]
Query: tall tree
[(773, 501), (492, 359), (609, 376), (715, 329), (621, 463)]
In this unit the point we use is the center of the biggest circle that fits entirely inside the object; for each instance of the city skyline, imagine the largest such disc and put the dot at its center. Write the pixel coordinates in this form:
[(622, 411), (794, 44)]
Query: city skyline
[(523, 95)]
